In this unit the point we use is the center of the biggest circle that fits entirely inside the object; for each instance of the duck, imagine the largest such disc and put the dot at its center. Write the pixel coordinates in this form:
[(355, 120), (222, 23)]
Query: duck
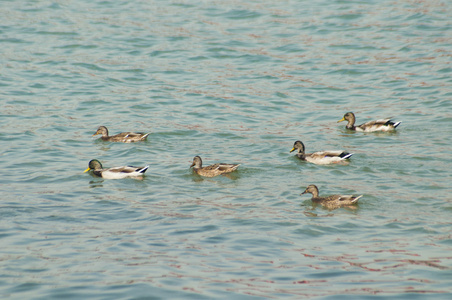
[(320, 157), (123, 137), (116, 172), (212, 170), (371, 126), (332, 201)]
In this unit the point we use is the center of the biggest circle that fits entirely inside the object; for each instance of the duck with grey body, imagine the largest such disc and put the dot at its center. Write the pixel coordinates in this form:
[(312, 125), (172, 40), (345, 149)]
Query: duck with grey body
[(116, 172), (332, 200), (123, 137), (212, 170), (320, 157), (371, 126)]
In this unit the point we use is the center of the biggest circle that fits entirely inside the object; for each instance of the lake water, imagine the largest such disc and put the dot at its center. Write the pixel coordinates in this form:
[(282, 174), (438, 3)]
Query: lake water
[(234, 82)]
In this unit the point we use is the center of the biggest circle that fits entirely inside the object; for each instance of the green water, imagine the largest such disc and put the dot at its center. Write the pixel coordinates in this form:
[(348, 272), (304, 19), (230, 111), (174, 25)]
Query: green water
[(233, 82)]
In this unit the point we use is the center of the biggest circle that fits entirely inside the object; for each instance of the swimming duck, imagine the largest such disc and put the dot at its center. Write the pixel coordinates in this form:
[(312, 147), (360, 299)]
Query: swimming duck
[(330, 201), (212, 170), (321, 157), (378, 125), (124, 137), (115, 173)]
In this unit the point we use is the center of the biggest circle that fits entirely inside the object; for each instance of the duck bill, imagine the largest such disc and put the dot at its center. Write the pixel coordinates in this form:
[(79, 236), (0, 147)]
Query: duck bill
[(303, 193), (293, 149), (95, 134), (343, 119), (86, 170), (192, 165)]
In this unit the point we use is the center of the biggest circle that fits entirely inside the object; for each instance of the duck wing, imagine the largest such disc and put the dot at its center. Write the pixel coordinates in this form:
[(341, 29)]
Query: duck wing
[(327, 157), (348, 198), (378, 125), (227, 167), (131, 169), (135, 135), (331, 198), (123, 172), (338, 153), (211, 167), (127, 137)]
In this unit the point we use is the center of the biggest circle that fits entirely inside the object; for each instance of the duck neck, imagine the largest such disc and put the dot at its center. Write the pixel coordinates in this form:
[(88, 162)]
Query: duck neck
[(351, 122), (315, 193), (198, 164), (301, 149)]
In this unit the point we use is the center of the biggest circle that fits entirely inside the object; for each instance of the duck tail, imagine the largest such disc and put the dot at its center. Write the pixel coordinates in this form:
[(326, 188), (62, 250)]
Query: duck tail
[(397, 124), (345, 155), (356, 199), (143, 169)]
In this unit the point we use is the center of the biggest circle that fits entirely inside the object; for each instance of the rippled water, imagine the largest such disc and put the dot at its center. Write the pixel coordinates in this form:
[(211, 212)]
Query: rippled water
[(236, 82)]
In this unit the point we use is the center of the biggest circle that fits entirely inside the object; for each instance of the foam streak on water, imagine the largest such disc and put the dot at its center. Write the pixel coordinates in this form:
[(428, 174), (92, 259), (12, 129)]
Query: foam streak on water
[(233, 82)]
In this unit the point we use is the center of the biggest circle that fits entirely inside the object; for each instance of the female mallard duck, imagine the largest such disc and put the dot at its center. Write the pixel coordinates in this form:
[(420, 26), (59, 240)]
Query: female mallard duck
[(330, 201), (378, 125), (124, 137), (212, 170), (321, 157), (117, 172)]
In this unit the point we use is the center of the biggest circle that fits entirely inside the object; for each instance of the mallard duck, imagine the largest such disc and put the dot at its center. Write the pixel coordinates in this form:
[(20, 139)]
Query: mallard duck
[(124, 137), (331, 201), (378, 125), (212, 170), (115, 173), (321, 157)]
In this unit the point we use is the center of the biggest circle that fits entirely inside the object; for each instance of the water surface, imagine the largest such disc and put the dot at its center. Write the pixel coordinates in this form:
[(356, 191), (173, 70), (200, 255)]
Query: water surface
[(234, 82)]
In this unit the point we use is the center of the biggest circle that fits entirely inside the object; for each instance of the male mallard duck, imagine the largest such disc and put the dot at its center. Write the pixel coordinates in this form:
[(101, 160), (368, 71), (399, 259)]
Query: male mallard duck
[(124, 137), (330, 201), (212, 170), (378, 125), (117, 172), (321, 157)]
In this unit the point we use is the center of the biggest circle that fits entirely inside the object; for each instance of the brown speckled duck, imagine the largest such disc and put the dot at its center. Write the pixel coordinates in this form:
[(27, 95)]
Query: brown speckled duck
[(124, 137), (212, 170), (332, 201), (321, 157), (115, 173), (371, 126)]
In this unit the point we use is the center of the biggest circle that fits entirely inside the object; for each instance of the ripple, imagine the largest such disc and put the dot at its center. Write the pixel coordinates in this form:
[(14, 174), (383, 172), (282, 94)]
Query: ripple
[(232, 82)]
